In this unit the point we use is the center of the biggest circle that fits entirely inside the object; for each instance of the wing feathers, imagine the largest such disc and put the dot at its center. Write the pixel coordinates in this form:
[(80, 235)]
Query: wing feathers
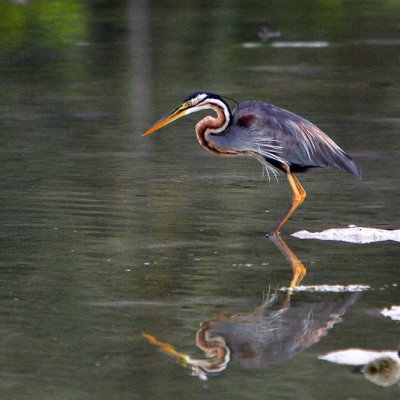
[(283, 137)]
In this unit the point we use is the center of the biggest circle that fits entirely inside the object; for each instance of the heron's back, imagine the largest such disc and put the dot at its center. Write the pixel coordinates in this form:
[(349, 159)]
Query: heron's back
[(280, 135)]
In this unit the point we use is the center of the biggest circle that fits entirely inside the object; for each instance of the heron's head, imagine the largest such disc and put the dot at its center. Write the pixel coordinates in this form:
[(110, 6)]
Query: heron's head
[(195, 102)]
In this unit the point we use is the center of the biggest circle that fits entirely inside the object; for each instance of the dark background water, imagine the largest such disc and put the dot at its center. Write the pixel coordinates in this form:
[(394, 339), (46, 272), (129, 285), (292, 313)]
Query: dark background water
[(106, 234)]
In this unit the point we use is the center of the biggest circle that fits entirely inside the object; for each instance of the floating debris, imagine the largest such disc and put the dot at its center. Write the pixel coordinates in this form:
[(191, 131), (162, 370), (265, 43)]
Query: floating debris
[(251, 45), (356, 356), (392, 312), (312, 45), (379, 367), (328, 288), (352, 234), (265, 34)]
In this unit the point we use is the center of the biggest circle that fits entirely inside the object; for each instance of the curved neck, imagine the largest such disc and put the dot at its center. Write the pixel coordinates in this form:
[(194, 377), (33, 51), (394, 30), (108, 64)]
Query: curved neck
[(209, 126)]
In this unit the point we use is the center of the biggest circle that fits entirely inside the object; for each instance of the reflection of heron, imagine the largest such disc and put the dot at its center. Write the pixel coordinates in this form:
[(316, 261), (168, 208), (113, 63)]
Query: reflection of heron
[(283, 326), (277, 331), (275, 137)]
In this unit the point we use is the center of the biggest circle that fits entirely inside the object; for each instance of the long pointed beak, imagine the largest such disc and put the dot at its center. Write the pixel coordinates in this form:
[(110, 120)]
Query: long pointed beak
[(172, 116)]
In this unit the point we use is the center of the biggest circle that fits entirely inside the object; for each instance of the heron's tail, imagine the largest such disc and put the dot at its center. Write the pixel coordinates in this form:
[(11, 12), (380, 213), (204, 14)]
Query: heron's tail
[(348, 164)]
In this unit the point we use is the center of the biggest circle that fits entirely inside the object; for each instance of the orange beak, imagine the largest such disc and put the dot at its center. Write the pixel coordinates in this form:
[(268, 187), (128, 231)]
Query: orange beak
[(172, 116)]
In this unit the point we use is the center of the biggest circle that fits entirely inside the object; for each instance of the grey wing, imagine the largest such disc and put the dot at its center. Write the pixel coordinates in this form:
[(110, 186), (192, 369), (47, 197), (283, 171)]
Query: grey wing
[(287, 138)]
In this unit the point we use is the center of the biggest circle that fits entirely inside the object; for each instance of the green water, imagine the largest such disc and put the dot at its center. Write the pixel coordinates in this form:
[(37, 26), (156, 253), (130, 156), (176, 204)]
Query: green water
[(106, 234)]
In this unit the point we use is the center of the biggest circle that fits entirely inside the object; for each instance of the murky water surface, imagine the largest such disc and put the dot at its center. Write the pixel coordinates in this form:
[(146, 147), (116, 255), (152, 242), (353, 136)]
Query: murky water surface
[(106, 235)]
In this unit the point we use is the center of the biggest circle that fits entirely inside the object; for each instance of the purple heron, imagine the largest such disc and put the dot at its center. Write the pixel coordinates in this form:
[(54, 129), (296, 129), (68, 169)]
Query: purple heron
[(277, 138)]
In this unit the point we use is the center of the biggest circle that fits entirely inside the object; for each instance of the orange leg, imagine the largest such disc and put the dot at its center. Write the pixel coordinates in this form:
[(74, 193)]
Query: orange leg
[(299, 194)]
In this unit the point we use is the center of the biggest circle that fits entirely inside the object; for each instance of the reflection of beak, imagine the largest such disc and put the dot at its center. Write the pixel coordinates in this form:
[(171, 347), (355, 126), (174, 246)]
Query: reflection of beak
[(172, 116), (168, 349)]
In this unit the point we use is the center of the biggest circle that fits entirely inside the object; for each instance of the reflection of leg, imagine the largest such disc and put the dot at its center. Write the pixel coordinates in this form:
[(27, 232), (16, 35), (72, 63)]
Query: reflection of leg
[(299, 194), (299, 270)]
